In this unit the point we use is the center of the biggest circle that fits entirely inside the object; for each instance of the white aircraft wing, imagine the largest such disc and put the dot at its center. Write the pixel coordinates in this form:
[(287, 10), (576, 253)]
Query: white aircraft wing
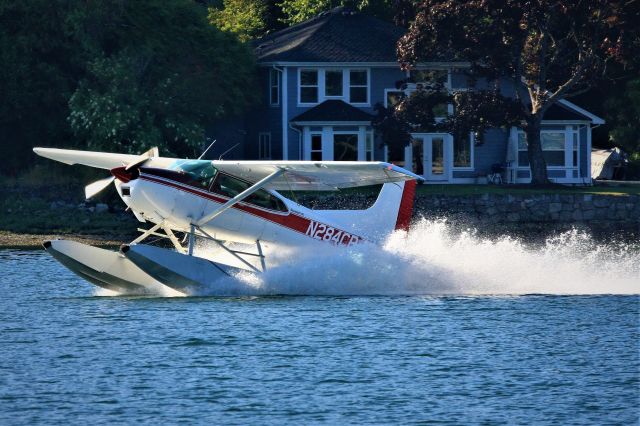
[(316, 175), (101, 160)]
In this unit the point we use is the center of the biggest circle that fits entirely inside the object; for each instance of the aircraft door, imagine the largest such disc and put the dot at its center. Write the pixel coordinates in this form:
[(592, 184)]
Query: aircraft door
[(230, 219), (187, 207)]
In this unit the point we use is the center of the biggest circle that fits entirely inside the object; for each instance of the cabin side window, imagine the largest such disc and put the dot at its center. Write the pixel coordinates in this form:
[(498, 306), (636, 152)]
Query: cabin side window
[(230, 187)]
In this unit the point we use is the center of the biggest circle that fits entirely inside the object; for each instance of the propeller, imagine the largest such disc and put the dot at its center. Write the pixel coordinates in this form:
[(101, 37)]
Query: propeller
[(98, 186)]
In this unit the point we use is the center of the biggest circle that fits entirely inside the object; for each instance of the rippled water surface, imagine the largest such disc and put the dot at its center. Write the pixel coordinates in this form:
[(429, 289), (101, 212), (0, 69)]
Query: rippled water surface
[(69, 356)]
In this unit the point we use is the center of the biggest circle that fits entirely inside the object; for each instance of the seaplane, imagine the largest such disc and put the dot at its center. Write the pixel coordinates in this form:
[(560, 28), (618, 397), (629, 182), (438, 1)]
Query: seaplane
[(235, 209)]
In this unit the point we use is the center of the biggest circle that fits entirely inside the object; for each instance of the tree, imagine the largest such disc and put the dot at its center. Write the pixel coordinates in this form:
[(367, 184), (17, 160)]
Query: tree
[(245, 18), (549, 49), (296, 11), (475, 111), (623, 118), (114, 75), (157, 74), (36, 79)]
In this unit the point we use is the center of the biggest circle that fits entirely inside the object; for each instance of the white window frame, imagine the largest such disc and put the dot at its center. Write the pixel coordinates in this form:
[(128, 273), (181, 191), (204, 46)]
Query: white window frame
[(319, 86), (568, 132), (386, 95), (324, 83), (472, 154), (349, 85), (311, 150), (264, 145), (369, 149), (346, 93), (278, 75), (355, 133), (412, 88)]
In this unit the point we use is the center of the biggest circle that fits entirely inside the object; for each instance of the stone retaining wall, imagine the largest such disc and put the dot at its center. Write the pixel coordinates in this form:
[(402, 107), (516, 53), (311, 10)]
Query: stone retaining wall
[(576, 208), (594, 211)]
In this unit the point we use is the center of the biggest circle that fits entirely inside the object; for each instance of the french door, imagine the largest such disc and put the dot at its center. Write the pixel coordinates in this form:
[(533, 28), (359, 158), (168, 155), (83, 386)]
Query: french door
[(429, 155)]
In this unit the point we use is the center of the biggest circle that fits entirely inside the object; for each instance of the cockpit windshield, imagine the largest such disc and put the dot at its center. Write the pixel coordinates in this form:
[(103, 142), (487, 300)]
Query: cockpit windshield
[(199, 172), (202, 174)]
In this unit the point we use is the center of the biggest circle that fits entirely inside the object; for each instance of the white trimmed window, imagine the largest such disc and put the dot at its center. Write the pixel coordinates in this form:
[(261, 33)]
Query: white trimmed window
[(552, 149), (333, 83), (369, 146), (308, 86), (274, 87), (560, 147), (264, 146), (316, 147), (429, 76), (463, 152), (358, 86), (319, 84), (392, 97)]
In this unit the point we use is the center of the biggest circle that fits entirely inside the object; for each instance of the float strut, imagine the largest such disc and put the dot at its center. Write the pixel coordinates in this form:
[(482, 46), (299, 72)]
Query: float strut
[(192, 239), (146, 233)]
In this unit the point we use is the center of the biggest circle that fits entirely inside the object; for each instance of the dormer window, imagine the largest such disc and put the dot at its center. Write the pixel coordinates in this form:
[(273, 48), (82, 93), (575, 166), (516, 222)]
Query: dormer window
[(308, 86)]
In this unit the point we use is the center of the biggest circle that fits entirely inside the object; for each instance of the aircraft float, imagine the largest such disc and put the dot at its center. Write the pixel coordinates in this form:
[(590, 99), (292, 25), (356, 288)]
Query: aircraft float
[(236, 206)]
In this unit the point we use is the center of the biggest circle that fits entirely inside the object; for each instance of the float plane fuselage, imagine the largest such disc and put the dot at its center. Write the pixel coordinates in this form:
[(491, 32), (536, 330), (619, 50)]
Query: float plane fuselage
[(234, 205)]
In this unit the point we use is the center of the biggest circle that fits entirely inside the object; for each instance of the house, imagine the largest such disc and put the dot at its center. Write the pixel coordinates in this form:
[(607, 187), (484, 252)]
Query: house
[(322, 79)]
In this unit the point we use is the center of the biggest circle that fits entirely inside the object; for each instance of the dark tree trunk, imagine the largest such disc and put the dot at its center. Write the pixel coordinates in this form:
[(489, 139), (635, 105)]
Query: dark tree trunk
[(536, 158)]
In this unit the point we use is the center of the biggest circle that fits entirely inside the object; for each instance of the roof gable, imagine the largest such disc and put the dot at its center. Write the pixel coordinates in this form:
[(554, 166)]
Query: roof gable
[(333, 111), (338, 35), (568, 111), (561, 113)]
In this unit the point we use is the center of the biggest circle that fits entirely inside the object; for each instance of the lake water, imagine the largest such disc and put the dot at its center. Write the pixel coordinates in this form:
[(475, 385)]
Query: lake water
[(437, 327)]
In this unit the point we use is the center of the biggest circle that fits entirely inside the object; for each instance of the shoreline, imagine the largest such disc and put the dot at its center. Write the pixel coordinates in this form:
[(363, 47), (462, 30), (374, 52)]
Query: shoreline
[(533, 233), (21, 241)]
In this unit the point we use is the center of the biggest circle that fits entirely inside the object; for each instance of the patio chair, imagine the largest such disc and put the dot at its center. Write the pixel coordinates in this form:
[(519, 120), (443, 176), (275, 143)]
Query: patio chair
[(495, 177)]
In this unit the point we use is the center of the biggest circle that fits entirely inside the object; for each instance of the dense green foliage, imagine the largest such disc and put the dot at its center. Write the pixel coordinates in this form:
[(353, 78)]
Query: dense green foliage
[(245, 18), (115, 75), (623, 117), (300, 10), (250, 19), (36, 78)]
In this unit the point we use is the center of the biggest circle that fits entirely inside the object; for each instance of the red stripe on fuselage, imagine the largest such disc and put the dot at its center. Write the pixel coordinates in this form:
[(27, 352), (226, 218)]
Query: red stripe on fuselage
[(288, 220)]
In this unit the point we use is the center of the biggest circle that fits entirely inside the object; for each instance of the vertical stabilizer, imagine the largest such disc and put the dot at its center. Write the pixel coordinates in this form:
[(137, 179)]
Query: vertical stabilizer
[(392, 210)]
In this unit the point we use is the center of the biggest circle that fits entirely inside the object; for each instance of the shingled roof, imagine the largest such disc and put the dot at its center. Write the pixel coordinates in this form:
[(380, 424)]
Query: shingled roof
[(338, 35), (332, 111)]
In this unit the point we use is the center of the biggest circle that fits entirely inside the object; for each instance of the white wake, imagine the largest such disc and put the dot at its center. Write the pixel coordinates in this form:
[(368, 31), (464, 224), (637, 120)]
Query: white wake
[(435, 259)]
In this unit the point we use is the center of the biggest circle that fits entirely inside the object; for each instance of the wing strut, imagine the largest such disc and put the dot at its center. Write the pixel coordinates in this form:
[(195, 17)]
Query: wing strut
[(241, 196)]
